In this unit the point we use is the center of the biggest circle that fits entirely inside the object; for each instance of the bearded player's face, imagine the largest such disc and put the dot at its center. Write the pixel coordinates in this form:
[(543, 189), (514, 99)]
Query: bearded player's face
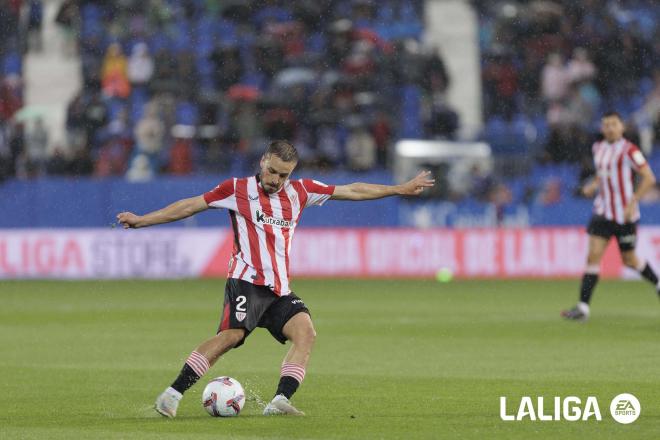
[(612, 128), (274, 172)]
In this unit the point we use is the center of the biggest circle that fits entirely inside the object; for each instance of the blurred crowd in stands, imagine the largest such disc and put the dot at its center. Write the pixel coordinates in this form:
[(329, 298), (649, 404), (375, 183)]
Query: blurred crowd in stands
[(550, 68), (199, 86), (11, 84)]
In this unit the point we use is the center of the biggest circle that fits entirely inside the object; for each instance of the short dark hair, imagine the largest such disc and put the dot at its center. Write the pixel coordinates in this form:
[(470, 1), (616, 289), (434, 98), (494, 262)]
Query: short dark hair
[(282, 149), (612, 114)]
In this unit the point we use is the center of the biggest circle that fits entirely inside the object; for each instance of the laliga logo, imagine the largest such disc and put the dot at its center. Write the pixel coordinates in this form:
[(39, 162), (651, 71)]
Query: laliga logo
[(569, 409), (625, 408)]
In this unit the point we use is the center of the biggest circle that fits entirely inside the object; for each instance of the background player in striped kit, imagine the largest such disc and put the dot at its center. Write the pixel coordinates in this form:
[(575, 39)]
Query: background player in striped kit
[(616, 210), (264, 211)]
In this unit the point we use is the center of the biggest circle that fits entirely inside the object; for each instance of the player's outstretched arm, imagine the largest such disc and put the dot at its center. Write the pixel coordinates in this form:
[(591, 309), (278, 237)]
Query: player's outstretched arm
[(176, 211), (369, 191)]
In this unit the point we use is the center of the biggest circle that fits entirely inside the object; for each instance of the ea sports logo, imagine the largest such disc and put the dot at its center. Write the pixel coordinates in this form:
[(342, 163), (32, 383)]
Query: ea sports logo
[(625, 408)]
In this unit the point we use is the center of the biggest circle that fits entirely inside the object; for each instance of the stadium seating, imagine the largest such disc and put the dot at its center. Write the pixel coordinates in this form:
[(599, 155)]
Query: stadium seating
[(189, 43), (290, 79), (636, 20), (11, 85), (520, 119)]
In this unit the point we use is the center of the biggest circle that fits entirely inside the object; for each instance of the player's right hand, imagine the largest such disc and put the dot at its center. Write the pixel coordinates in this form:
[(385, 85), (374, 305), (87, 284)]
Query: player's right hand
[(629, 211), (128, 219), (589, 190)]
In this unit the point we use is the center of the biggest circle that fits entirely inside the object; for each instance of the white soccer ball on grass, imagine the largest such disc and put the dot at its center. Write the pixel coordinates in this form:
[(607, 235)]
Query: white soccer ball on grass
[(223, 397)]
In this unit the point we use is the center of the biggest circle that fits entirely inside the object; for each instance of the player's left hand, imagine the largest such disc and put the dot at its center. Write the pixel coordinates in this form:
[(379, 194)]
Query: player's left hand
[(415, 186), (629, 211)]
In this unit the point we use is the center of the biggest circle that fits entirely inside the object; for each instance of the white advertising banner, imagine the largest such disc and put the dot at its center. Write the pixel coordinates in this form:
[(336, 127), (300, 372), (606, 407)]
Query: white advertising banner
[(318, 252), (99, 253)]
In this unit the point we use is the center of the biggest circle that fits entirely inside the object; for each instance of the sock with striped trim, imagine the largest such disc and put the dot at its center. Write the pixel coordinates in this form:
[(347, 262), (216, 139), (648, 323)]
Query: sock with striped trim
[(195, 367), (291, 376)]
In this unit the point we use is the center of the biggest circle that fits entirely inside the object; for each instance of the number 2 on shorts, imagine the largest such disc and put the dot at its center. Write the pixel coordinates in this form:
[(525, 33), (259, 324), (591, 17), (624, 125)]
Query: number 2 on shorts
[(241, 299)]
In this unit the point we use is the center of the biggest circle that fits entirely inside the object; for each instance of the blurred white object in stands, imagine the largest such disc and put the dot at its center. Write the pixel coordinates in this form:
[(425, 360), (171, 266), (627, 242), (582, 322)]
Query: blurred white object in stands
[(51, 79)]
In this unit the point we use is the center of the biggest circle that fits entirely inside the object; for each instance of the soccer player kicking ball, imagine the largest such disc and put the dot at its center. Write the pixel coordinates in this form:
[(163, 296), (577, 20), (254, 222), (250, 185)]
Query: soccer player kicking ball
[(264, 211), (616, 210)]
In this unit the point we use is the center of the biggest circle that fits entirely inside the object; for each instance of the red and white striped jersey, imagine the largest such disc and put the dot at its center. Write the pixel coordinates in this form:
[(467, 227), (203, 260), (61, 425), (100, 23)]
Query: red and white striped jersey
[(263, 226), (615, 164)]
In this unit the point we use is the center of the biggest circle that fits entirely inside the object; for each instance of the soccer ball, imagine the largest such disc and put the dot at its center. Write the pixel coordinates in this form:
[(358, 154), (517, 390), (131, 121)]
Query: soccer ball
[(223, 397)]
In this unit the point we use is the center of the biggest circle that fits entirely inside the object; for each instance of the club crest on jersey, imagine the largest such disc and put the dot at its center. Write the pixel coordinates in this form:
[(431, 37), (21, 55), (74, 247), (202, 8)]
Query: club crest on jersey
[(266, 220), (240, 316)]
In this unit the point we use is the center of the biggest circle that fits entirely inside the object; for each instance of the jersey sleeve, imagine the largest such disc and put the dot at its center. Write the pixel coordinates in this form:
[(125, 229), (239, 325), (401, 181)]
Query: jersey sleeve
[(636, 157), (222, 196), (317, 192)]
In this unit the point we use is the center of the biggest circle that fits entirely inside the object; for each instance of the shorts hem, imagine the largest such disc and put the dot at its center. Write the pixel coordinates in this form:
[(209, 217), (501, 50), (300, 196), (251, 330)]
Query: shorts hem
[(280, 336)]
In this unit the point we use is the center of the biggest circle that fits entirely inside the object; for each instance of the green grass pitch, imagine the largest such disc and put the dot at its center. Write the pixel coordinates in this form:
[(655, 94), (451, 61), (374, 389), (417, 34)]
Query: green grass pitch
[(393, 360)]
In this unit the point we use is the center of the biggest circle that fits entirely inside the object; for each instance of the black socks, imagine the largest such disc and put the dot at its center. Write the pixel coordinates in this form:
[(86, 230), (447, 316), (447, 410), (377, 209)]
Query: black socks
[(288, 385), (589, 281), (187, 378), (649, 274)]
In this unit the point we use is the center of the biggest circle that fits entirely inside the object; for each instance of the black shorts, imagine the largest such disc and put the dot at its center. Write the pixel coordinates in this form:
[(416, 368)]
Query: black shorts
[(248, 306), (626, 234)]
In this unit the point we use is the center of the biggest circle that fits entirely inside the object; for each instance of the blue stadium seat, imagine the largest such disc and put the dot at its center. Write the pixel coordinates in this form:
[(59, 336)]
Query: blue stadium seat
[(91, 12), (385, 13), (411, 123), (12, 63), (159, 41), (542, 129), (206, 82), (273, 13), (205, 69), (183, 41), (385, 20), (315, 43), (646, 85), (518, 188), (187, 113), (654, 161), (205, 25), (408, 24), (225, 31), (504, 137), (255, 79), (115, 106), (495, 132), (363, 23), (571, 211), (139, 98)]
